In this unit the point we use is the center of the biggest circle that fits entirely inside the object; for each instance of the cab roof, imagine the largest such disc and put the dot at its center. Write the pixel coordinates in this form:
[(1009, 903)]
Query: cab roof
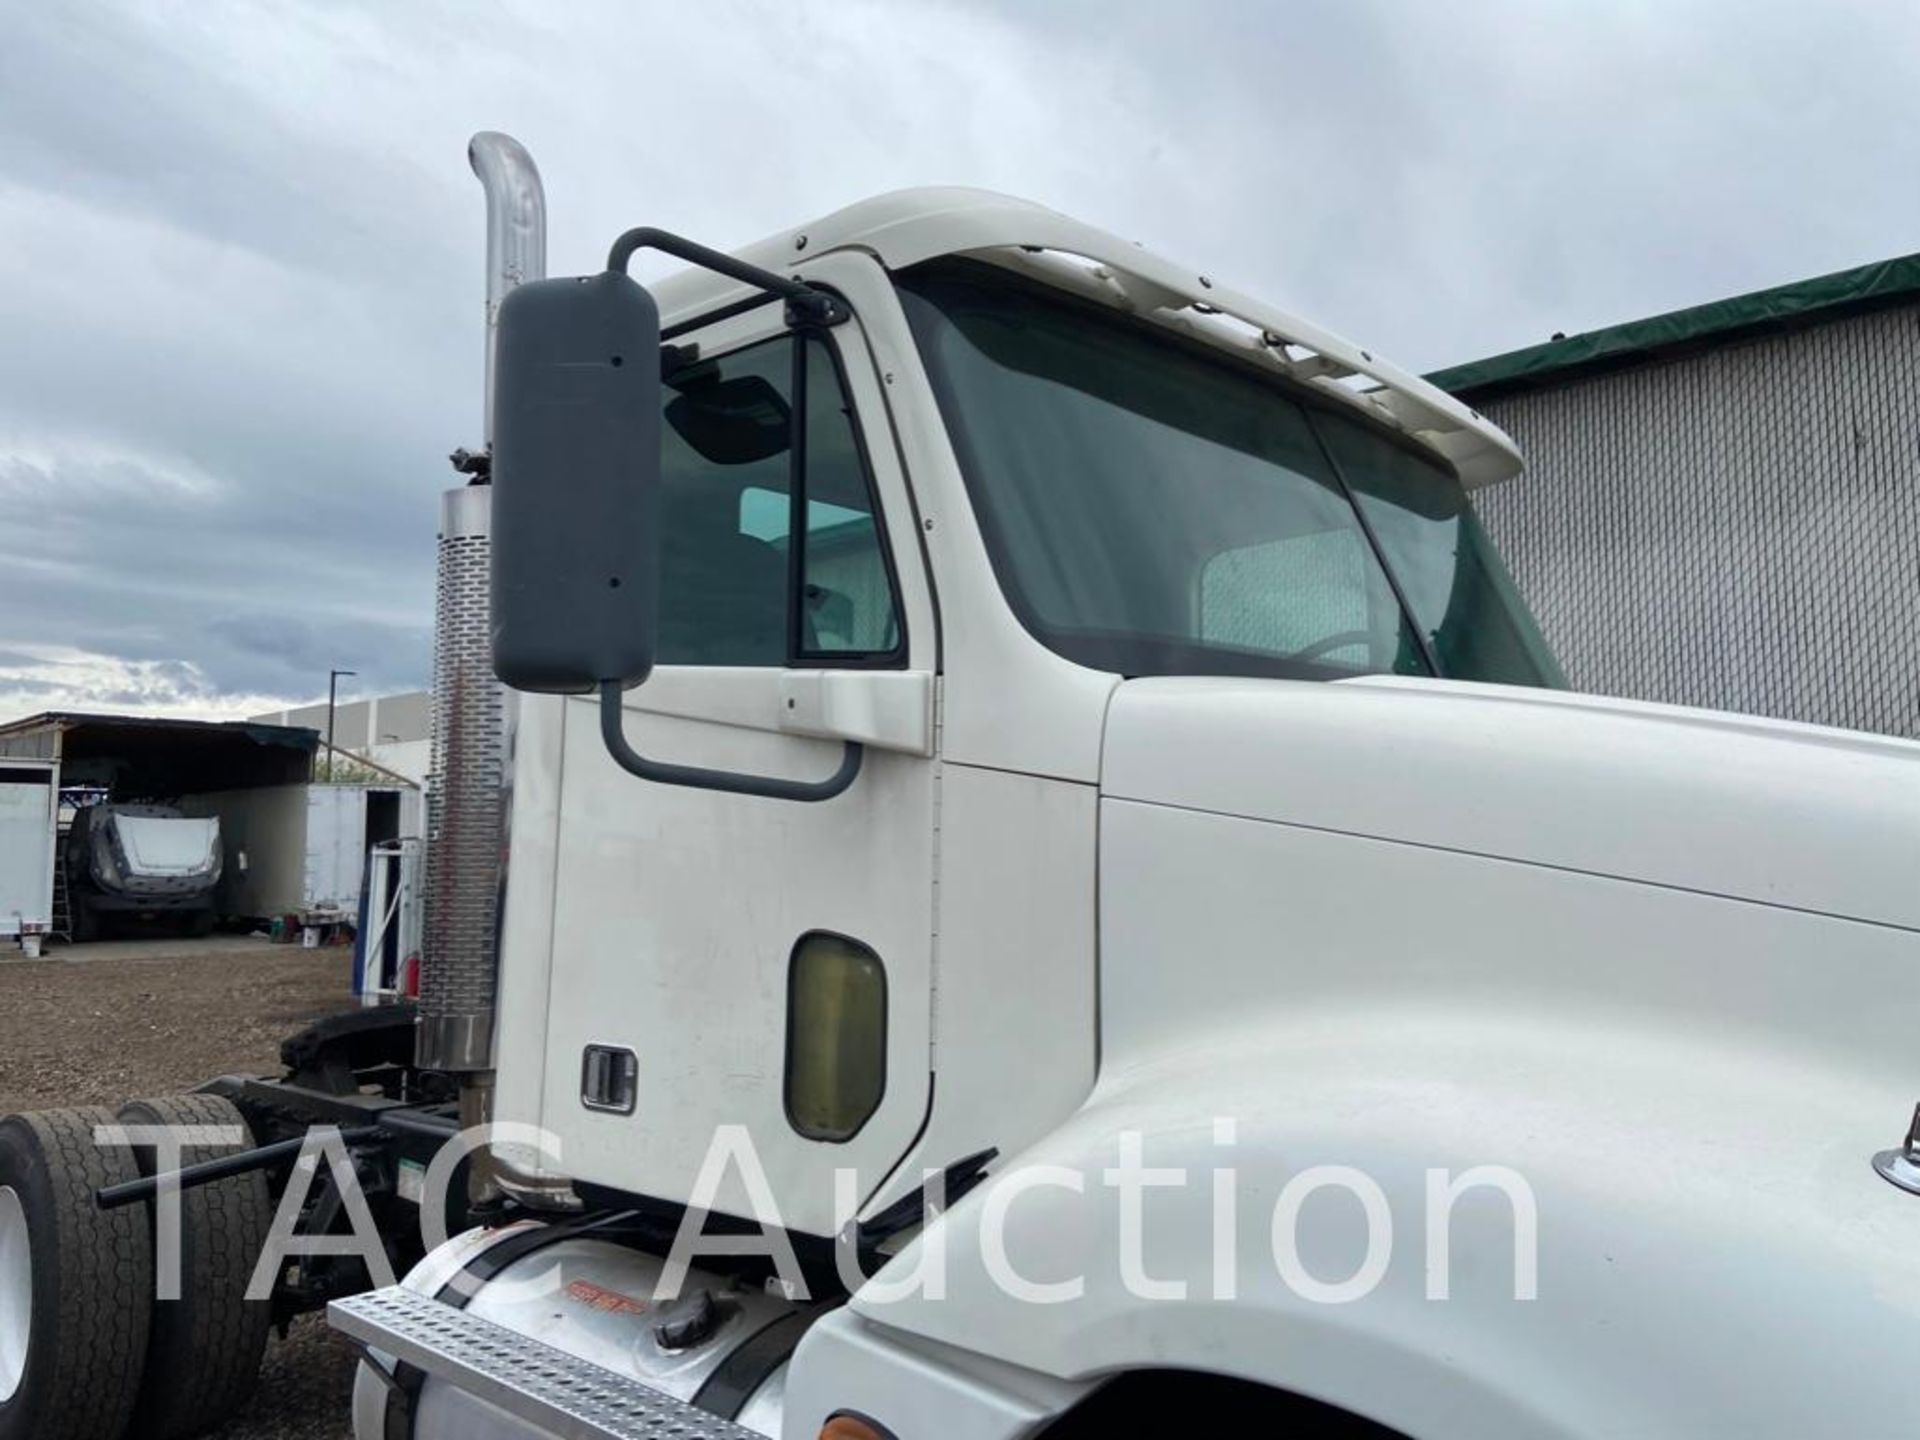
[(906, 227)]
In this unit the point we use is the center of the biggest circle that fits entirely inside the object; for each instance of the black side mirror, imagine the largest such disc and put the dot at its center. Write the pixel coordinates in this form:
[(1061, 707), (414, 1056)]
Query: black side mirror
[(576, 488), (576, 484)]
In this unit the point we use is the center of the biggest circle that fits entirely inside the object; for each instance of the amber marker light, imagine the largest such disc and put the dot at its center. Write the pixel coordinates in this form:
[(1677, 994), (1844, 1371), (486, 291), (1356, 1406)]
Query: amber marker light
[(853, 1427)]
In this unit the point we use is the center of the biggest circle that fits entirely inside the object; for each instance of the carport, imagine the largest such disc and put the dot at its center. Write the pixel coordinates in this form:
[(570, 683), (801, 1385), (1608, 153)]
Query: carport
[(79, 757), (137, 758)]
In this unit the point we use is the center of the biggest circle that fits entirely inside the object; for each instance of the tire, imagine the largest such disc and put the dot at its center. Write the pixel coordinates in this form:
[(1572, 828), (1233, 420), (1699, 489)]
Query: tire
[(85, 1311), (86, 922), (205, 1347), (200, 924)]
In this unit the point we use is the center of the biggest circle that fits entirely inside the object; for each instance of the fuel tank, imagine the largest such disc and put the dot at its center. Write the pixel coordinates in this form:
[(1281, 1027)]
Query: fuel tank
[(598, 1300)]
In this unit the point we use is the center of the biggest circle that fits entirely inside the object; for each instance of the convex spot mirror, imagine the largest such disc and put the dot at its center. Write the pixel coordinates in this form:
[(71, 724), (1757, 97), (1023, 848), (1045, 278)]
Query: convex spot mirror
[(576, 484)]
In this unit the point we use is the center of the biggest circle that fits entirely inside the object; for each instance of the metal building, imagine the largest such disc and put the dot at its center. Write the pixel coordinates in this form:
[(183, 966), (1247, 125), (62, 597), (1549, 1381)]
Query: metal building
[(391, 731), (1722, 505)]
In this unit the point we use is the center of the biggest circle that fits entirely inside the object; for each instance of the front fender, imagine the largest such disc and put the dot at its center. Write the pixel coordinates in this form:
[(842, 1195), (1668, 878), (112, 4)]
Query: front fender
[(1687, 1286)]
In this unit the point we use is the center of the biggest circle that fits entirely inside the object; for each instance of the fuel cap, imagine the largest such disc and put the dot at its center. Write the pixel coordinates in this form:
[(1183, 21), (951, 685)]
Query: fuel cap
[(691, 1322)]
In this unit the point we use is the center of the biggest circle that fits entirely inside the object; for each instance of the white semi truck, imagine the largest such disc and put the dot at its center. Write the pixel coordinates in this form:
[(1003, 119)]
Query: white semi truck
[(1054, 890)]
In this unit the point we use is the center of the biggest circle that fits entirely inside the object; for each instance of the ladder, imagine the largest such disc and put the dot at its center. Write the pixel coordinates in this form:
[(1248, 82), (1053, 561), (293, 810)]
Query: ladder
[(62, 896), (72, 799)]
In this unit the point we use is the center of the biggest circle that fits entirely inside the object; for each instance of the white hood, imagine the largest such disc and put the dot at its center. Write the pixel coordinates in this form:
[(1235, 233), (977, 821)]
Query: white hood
[(1783, 814), (156, 846)]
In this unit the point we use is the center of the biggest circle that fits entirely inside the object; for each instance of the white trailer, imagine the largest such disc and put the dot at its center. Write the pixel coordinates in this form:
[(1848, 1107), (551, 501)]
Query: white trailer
[(301, 849), (1054, 890), (29, 820)]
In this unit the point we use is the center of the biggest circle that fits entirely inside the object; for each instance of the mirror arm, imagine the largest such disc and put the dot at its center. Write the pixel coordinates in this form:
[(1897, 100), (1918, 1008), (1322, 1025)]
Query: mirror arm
[(613, 732), (806, 304)]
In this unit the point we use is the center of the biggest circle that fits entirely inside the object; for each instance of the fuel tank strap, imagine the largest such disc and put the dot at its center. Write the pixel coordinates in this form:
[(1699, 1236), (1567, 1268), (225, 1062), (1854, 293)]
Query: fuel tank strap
[(750, 1363), (496, 1258), (403, 1385)]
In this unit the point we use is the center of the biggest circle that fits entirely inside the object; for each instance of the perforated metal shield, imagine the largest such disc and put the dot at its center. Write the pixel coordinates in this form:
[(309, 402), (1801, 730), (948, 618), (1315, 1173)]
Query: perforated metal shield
[(466, 801), (1738, 528)]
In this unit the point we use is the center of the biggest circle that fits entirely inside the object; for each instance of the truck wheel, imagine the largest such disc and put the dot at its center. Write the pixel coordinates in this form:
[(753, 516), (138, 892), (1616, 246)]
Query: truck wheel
[(204, 1354), (86, 923), (75, 1281)]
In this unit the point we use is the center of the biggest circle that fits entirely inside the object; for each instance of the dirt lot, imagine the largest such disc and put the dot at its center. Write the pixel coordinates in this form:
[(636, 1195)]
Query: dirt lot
[(98, 1024)]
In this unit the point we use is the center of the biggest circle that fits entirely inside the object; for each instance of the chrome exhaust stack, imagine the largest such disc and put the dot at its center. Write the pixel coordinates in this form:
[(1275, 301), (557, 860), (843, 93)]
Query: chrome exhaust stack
[(516, 227), (470, 785)]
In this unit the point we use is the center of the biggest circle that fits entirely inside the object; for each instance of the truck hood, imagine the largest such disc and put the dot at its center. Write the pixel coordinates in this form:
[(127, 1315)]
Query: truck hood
[(1764, 810), (155, 847)]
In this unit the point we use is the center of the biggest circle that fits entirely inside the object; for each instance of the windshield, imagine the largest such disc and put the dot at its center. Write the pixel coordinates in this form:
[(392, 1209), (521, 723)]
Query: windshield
[(1152, 509)]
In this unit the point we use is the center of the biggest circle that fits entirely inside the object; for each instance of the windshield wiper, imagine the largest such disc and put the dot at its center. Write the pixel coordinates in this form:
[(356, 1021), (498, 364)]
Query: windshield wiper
[(1420, 636)]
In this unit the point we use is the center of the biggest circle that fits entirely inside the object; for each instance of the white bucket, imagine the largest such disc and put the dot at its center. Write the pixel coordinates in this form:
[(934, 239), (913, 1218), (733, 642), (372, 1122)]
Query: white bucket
[(30, 947), (309, 937)]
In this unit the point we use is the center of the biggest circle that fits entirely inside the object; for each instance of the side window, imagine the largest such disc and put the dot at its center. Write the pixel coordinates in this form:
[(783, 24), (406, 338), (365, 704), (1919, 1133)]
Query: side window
[(732, 592)]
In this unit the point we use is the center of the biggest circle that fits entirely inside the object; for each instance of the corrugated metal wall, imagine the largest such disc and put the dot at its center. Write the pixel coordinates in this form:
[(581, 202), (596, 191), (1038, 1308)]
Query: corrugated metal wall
[(1737, 529)]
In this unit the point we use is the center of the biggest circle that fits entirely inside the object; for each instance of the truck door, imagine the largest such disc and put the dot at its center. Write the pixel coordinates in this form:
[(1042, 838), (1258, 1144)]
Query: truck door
[(764, 964)]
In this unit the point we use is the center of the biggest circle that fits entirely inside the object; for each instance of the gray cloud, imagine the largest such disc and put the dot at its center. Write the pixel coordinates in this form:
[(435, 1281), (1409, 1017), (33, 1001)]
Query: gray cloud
[(240, 329)]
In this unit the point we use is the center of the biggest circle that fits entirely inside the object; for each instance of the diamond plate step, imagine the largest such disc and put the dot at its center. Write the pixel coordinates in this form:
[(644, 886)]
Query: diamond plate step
[(535, 1382)]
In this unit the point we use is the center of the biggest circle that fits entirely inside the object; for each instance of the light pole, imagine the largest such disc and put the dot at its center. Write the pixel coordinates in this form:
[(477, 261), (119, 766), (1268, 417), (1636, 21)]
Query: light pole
[(333, 680)]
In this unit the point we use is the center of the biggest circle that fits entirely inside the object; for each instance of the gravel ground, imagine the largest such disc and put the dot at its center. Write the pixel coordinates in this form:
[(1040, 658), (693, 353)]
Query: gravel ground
[(99, 1024)]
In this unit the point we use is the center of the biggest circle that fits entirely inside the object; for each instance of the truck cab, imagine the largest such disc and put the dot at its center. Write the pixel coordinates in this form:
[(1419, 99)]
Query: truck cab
[(1027, 479), (142, 862), (1087, 736), (1005, 860)]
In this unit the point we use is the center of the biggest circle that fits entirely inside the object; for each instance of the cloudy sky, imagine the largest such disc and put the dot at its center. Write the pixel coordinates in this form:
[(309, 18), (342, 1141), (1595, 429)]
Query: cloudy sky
[(241, 250)]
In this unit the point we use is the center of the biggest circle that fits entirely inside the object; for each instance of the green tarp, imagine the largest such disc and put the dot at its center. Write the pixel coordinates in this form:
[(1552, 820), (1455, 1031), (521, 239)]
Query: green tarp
[(1538, 366)]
